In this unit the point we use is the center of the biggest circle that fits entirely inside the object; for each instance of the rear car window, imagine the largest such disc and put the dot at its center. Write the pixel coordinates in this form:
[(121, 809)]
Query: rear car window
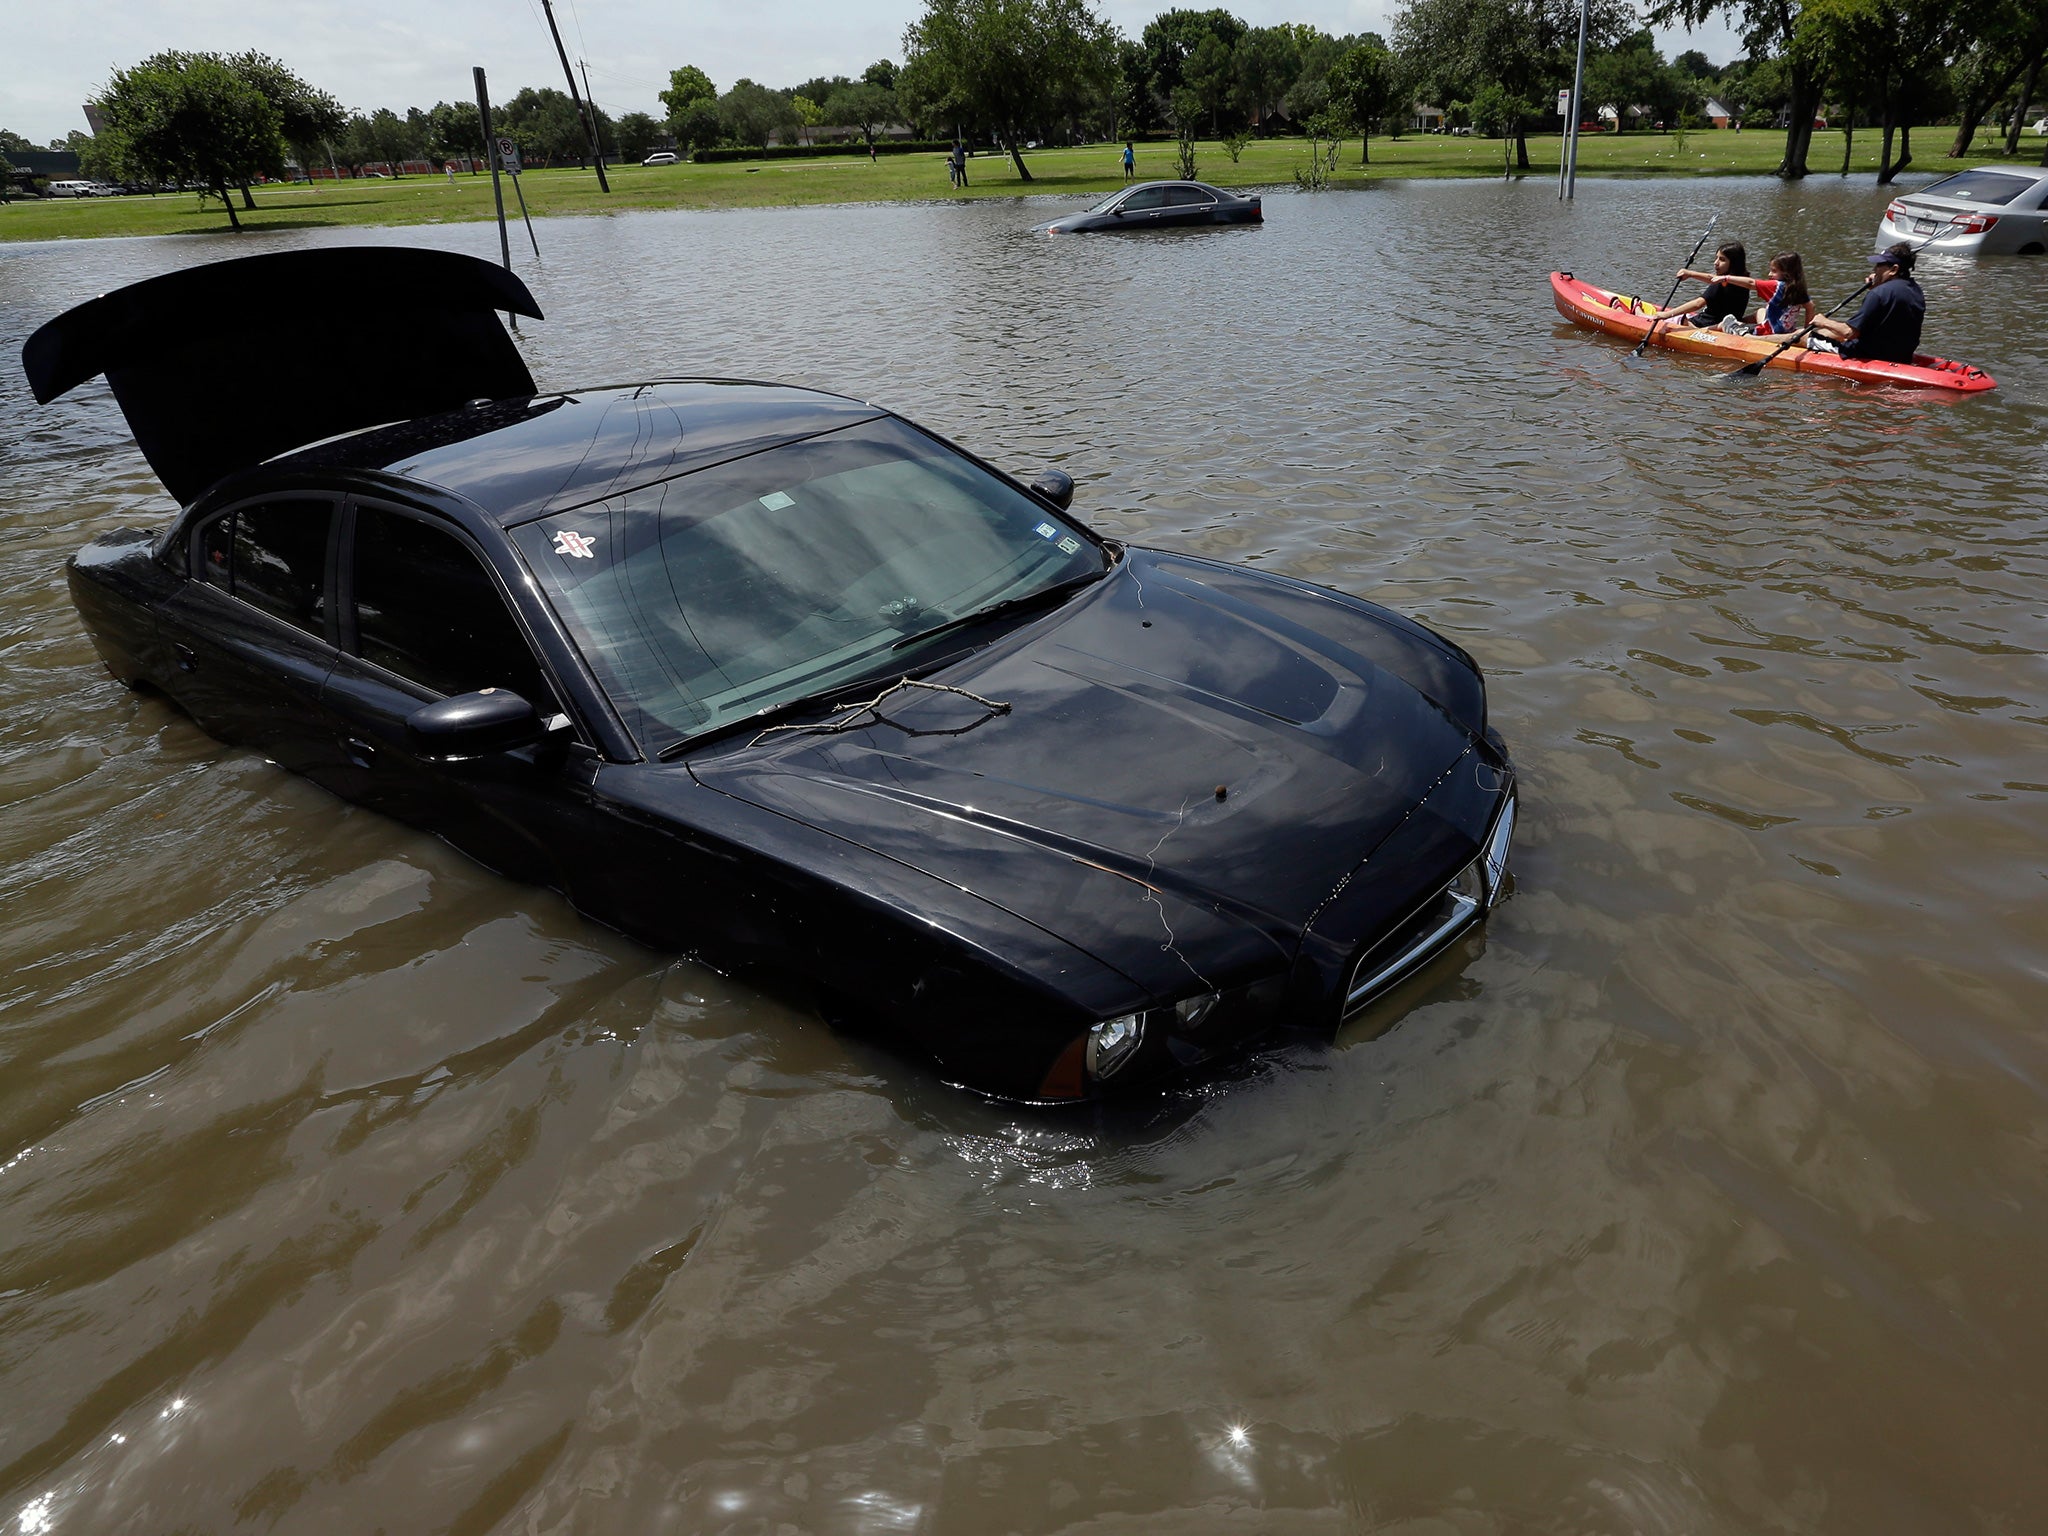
[(1993, 189), (272, 556), (1186, 197)]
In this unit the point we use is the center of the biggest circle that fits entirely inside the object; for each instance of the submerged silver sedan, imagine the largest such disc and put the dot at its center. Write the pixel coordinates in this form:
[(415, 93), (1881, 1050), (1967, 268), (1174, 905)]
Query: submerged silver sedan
[(1989, 210)]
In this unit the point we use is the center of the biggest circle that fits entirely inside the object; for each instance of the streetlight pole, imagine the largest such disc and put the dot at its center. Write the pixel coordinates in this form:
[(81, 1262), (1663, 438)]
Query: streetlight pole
[(1568, 172)]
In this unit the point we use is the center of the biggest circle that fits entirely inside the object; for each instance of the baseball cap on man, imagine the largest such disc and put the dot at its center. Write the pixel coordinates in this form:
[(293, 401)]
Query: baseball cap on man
[(1900, 256)]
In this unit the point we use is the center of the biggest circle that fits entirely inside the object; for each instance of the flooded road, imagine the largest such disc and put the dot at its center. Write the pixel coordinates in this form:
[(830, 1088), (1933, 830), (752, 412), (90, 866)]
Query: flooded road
[(347, 1187)]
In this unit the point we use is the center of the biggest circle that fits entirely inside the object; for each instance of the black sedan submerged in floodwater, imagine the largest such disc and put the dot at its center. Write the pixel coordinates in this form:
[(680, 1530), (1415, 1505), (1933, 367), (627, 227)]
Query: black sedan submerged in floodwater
[(1162, 205), (777, 676)]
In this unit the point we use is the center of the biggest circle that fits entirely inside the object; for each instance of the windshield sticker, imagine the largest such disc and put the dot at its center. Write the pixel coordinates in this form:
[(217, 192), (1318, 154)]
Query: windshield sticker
[(1045, 530), (576, 546), (1069, 544), (775, 501)]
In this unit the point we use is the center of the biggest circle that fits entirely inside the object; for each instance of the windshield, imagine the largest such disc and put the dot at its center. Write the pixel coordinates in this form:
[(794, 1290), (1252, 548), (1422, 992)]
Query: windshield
[(716, 595), (1107, 203)]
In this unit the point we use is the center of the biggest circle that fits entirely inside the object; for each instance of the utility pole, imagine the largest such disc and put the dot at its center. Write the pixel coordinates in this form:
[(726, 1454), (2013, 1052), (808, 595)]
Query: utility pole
[(589, 117), (584, 65)]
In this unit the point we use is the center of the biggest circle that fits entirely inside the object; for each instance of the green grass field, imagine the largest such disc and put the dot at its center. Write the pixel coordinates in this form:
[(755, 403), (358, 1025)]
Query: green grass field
[(1075, 174)]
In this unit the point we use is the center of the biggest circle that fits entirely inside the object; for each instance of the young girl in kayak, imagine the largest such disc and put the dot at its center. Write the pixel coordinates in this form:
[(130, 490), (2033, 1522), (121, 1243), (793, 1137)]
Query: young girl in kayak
[(1786, 305), (1722, 299)]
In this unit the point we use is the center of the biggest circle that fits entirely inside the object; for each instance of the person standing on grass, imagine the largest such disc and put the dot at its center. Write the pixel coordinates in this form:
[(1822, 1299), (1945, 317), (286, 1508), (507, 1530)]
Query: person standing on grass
[(959, 164), (1130, 162)]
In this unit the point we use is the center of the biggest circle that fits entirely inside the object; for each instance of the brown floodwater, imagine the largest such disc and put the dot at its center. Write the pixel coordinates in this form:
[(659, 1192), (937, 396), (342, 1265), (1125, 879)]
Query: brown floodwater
[(345, 1186)]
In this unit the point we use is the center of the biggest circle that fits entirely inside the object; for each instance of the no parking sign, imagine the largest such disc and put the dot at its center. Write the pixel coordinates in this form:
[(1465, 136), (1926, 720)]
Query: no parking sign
[(508, 154)]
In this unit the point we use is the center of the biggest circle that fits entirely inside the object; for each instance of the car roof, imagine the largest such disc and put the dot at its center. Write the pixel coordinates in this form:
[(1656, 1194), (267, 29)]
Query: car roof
[(525, 458)]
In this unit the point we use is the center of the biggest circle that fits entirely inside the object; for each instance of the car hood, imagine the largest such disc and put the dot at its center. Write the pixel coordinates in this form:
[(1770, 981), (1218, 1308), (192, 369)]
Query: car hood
[(1164, 767)]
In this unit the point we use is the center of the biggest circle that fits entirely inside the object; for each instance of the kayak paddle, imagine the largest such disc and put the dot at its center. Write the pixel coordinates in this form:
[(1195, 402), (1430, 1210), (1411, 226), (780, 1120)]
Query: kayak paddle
[(1695, 256), (1797, 338)]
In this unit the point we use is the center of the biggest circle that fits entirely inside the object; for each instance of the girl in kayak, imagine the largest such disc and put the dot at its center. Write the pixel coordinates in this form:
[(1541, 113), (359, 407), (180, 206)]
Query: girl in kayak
[(1786, 305), (1722, 299)]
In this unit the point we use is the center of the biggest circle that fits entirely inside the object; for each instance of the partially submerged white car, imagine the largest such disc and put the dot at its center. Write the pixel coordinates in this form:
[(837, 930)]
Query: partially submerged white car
[(1989, 210)]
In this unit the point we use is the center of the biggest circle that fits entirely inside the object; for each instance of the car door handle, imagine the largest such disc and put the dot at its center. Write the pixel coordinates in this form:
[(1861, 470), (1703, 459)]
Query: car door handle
[(360, 752), (187, 661)]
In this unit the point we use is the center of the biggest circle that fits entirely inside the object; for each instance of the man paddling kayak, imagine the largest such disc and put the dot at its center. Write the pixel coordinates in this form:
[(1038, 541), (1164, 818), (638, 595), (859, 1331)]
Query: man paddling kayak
[(1887, 328)]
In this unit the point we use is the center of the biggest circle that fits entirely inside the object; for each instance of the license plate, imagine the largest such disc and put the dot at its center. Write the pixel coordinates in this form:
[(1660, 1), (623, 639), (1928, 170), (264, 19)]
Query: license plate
[(1925, 226)]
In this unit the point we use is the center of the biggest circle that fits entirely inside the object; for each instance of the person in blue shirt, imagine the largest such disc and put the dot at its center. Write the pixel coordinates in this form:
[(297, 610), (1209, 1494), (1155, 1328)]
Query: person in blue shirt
[(1887, 328), (1130, 161)]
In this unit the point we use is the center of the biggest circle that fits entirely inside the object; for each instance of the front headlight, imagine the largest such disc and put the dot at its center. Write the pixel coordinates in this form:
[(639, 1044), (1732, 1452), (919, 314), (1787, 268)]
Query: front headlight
[(1112, 1044)]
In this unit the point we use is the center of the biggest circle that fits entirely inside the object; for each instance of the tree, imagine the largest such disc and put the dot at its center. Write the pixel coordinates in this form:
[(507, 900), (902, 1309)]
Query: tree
[(865, 106), (1892, 52), (189, 117), (637, 135), (1210, 73), (749, 113), (1364, 82), (1170, 40), (1012, 65), (95, 160), (1768, 28), (1186, 111), (381, 138), (1131, 99), (1458, 47), (9, 139), (1310, 93), (546, 126), (819, 88), (1263, 65), (881, 73), (1631, 75), (2008, 43), (685, 87), (808, 115), (455, 131), (307, 117)]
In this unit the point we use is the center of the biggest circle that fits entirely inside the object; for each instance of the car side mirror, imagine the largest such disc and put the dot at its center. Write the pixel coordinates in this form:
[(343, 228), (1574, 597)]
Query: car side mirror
[(473, 725), (1056, 486)]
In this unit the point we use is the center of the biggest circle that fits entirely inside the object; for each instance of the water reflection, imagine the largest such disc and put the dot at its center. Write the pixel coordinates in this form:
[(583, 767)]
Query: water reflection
[(1693, 1196)]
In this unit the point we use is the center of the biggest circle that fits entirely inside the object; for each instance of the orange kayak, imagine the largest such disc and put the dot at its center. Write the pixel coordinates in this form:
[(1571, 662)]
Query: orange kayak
[(1621, 314)]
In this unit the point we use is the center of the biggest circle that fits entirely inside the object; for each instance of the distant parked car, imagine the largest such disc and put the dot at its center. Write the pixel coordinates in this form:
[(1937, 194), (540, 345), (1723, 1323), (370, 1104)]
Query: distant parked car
[(74, 189), (663, 157), (1162, 205), (1985, 211)]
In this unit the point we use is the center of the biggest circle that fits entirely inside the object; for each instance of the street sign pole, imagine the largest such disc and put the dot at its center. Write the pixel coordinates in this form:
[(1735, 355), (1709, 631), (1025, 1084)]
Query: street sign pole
[(1568, 173), (509, 153), (483, 107)]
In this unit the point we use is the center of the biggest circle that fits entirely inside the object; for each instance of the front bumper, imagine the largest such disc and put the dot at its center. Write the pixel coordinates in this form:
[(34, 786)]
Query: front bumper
[(1436, 923)]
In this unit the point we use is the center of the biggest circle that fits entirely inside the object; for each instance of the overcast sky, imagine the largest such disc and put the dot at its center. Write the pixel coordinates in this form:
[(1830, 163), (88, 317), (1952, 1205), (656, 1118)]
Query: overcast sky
[(413, 53)]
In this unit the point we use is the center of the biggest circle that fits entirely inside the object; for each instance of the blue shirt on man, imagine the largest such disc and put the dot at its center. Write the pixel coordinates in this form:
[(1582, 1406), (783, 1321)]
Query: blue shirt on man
[(1888, 324)]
